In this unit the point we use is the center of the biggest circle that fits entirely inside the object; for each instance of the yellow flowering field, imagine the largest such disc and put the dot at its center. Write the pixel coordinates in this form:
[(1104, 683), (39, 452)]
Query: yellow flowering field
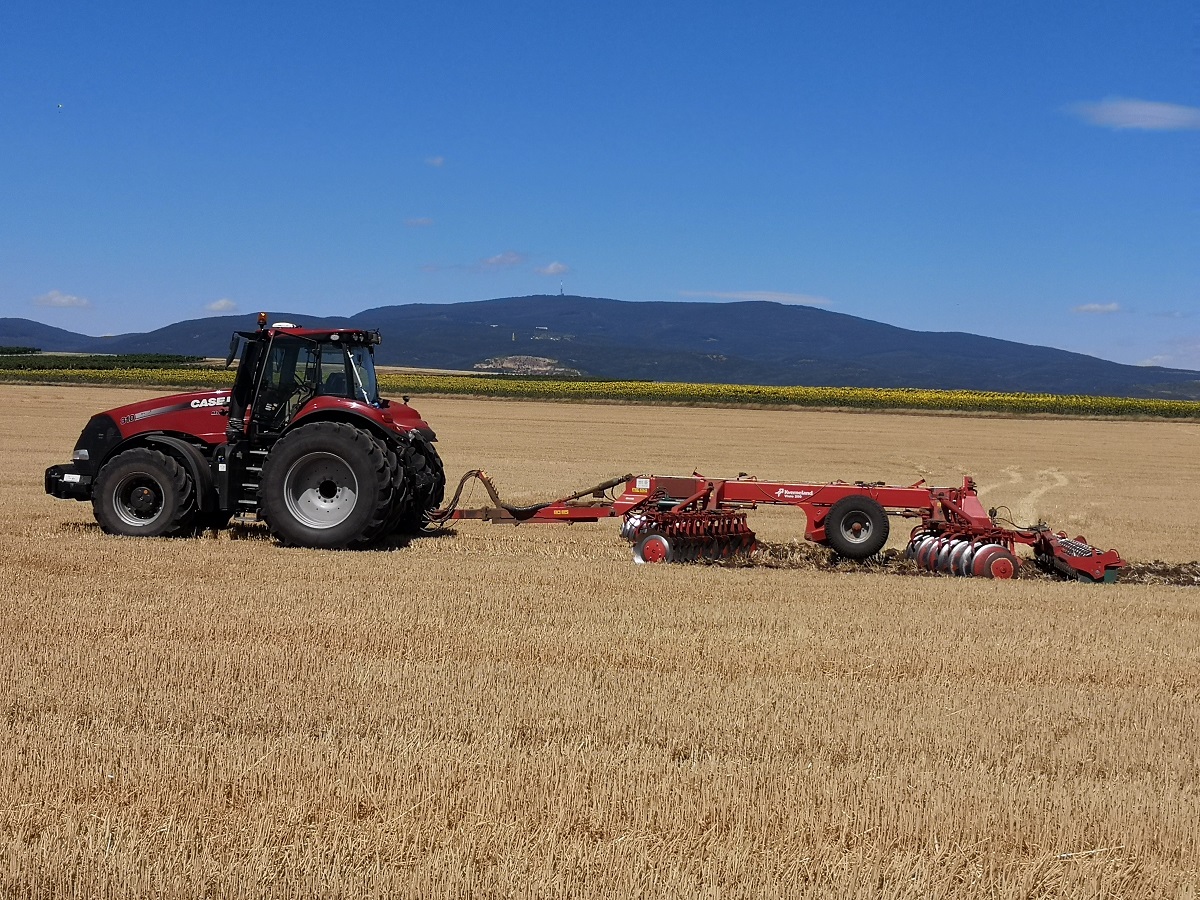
[(674, 393)]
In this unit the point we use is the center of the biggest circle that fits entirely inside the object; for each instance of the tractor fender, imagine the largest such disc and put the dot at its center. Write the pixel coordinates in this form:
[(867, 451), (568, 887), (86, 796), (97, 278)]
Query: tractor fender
[(197, 464), (350, 417)]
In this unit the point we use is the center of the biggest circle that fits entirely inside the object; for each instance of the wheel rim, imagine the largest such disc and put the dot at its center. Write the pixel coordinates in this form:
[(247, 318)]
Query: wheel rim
[(855, 527), (654, 549), (138, 500), (320, 490)]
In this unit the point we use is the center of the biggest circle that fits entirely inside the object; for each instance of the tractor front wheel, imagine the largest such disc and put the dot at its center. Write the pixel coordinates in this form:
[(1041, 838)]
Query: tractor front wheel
[(325, 485), (145, 493)]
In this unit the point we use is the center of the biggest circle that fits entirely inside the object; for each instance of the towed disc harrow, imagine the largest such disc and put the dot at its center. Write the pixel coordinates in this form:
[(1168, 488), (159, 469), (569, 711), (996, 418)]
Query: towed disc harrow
[(691, 518)]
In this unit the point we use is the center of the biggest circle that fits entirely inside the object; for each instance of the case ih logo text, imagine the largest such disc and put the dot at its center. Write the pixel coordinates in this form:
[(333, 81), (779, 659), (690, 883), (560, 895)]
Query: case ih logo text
[(786, 494), (209, 401)]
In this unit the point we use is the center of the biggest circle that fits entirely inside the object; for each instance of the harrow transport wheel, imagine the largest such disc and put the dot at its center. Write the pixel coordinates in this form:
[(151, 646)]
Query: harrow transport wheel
[(654, 548), (144, 492), (325, 485), (856, 527)]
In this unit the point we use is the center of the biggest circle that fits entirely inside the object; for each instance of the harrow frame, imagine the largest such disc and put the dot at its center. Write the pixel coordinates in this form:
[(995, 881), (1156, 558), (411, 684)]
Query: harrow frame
[(671, 518)]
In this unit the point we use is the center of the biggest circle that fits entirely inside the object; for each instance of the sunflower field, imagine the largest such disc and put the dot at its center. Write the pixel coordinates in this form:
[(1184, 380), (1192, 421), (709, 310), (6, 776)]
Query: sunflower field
[(676, 393)]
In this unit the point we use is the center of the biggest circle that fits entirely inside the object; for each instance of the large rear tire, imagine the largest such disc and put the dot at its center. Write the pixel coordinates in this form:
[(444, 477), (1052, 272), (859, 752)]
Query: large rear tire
[(856, 527), (326, 485), (399, 500), (144, 493), (427, 479)]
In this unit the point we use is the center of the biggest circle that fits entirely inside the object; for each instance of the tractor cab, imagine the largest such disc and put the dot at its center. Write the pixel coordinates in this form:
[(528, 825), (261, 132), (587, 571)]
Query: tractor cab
[(283, 367)]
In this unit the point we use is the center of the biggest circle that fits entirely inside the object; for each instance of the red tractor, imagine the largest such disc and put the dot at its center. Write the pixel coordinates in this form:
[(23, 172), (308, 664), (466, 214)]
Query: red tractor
[(303, 441)]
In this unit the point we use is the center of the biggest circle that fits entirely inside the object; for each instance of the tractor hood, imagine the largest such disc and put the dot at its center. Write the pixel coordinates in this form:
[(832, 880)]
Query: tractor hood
[(203, 414)]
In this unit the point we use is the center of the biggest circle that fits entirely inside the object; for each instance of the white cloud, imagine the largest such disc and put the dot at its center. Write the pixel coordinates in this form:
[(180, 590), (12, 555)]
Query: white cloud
[(421, 222), (59, 300), (505, 260), (768, 296), (436, 161), (1124, 113), (224, 305), (555, 268), (500, 262), (1097, 309)]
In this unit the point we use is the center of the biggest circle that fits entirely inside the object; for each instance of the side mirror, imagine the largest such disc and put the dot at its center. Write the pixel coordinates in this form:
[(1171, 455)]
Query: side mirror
[(234, 344)]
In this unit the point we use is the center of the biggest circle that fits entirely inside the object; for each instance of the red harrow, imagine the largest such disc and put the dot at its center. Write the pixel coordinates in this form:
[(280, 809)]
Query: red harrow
[(686, 518)]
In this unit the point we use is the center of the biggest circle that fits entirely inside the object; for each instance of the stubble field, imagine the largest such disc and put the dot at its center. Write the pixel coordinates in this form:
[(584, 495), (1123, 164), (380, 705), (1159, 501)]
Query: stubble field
[(524, 712)]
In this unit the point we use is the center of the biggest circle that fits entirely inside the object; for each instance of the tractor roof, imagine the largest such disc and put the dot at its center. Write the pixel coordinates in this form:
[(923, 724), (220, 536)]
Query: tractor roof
[(349, 335)]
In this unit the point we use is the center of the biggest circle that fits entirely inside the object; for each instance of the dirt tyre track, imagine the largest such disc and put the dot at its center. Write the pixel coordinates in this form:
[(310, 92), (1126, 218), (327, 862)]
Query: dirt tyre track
[(144, 493), (326, 485)]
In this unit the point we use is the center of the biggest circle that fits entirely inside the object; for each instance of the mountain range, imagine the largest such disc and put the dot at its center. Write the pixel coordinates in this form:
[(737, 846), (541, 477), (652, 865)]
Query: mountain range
[(738, 343)]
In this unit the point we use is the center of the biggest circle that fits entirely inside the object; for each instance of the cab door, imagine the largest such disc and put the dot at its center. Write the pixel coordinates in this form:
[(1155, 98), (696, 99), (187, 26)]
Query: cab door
[(290, 378)]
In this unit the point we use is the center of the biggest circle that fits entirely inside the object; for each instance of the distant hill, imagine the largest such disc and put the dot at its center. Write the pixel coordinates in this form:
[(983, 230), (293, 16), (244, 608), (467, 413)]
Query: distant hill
[(743, 343), (27, 333)]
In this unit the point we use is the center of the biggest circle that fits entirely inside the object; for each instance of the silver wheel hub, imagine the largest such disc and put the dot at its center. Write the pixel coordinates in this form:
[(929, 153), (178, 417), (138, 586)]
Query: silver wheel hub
[(320, 490), (856, 527), (138, 500)]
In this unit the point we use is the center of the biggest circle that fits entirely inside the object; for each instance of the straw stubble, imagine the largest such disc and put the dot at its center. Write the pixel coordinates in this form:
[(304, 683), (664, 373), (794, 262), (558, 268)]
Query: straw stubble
[(524, 712)]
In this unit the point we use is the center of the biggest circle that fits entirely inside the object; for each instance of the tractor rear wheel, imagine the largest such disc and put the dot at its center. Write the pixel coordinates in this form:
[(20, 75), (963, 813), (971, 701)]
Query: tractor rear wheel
[(144, 492), (399, 500), (428, 480), (856, 527), (325, 485)]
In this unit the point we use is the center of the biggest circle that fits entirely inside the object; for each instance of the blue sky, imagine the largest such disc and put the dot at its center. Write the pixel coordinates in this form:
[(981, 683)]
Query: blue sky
[(1028, 171)]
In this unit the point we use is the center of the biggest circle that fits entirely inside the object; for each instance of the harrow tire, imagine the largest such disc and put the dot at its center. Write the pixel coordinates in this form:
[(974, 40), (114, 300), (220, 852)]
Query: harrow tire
[(856, 527), (144, 493), (326, 485), (654, 548)]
